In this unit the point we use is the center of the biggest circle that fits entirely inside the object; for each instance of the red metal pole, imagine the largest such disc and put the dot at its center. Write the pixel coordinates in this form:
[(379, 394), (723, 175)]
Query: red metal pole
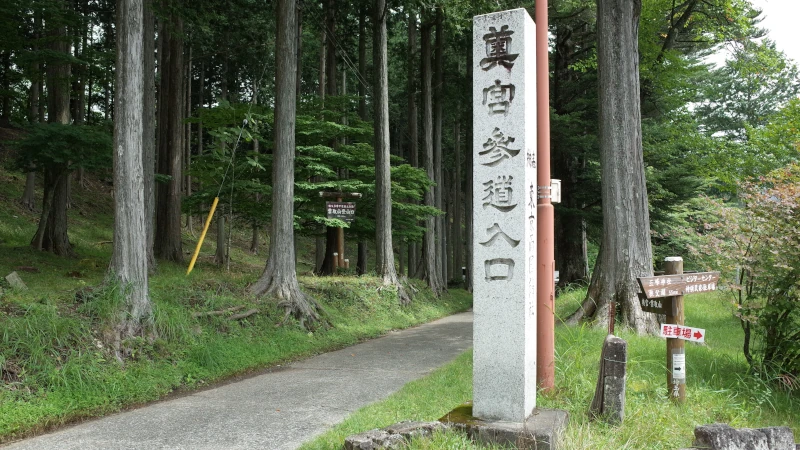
[(545, 347)]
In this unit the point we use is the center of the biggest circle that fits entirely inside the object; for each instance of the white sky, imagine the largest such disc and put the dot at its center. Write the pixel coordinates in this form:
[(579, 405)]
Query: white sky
[(780, 18)]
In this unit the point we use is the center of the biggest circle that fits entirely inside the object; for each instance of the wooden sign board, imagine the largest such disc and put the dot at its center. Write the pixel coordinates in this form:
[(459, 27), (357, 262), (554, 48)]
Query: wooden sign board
[(345, 211), (656, 305), (672, 285)]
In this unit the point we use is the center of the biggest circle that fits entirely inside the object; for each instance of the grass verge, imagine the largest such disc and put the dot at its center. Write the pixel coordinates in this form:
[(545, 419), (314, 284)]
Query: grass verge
[(720, 389), (56, 369)]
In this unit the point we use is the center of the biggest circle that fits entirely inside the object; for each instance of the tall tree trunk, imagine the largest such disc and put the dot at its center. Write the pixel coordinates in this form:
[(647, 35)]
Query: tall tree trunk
[(78, 103), (361, 261), (187, 157), (413, 130), (201, 92), (383, 185), (220, 255), (439, 190), (5, 85), (330, 264), (168, 244), (149, 131), (299, 81), (319, 241), (433, 273), (256, 150), (458, 243), (571, 254), (51, 234), (625, 249), (330, 51), (129, 266), (468, 225), (28, 195), (279, 279)]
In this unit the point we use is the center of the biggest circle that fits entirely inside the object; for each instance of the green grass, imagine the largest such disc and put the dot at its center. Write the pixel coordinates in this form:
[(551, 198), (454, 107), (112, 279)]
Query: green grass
[(719, 389), (55, 365)]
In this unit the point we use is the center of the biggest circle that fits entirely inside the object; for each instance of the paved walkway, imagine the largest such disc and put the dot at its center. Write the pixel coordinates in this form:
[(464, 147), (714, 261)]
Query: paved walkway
[(277, 410)]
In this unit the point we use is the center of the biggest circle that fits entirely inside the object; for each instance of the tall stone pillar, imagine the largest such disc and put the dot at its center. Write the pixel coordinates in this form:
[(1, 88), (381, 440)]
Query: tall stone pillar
[(504, 215)]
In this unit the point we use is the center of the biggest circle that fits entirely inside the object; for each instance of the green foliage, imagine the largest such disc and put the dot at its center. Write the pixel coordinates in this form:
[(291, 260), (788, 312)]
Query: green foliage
[(330, 156), (747, 90), (64, 147), (757, 244)]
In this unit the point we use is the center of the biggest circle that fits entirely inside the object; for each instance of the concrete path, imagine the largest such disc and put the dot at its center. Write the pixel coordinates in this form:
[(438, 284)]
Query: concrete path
[(277, 410)]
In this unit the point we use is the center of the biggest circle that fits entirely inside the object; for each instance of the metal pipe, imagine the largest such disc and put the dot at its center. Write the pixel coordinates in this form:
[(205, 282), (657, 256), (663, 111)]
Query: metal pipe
[(545, 298)]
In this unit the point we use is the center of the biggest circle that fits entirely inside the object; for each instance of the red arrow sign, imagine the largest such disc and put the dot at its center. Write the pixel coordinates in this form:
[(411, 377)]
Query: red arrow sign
[(672, 331)]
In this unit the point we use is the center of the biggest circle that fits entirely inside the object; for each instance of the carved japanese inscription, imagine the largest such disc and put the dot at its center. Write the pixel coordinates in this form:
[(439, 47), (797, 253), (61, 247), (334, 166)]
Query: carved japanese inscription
[(504, 215)]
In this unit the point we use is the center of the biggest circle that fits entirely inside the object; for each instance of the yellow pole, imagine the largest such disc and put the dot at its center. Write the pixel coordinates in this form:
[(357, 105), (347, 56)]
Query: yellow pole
[(203, 235)]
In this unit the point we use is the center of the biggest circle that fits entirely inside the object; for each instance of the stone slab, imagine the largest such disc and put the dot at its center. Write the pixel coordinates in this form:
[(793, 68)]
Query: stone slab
[(540, 431)]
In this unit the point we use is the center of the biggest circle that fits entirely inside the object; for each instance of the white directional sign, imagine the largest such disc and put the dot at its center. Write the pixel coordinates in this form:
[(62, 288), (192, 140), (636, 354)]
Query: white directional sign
[(673, 331)]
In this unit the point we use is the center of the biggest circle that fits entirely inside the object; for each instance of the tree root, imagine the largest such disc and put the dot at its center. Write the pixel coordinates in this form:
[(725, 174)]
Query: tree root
[(243, 315), (217, 313)]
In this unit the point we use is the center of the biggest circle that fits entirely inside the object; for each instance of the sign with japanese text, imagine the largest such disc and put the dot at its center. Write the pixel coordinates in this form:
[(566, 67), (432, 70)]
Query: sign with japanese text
[(504, 216), (345, 211), (655, 305), (672, 285), (673, 331)]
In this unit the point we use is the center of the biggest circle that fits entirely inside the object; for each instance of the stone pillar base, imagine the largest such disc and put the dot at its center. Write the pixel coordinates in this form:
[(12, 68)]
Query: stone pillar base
[(540, 431)]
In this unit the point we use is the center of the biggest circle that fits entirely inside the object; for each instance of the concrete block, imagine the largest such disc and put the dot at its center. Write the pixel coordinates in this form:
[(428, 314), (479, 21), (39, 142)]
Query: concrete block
[(15, 281)]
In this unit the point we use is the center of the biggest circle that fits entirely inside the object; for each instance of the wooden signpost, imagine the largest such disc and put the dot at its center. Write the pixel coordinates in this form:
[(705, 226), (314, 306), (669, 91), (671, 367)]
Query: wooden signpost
[(339, 260), (663, 294)]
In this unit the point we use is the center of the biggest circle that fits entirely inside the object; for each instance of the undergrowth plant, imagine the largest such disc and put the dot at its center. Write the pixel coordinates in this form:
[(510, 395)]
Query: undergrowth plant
[(756, 242)]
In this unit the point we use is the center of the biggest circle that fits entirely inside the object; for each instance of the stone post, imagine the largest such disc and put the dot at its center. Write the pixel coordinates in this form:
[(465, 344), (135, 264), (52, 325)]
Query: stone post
[(504, 215)]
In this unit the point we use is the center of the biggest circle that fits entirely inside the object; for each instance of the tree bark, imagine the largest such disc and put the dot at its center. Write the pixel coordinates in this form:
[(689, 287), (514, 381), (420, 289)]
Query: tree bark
[(330, 263), (319, 241), (220, 255), (433, 273), (149, 131), (5, 85), (361, 260), (383, 185), (625, 249), (458, 242), (51, 234), (168, 244), (439, 189), (28, 195), (129, 268), (468, 225), (187, 157), (413, 129), (279, 279)]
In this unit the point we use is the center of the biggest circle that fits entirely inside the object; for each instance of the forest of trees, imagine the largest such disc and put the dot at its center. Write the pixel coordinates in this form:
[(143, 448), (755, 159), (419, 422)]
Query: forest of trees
[(266, 104)]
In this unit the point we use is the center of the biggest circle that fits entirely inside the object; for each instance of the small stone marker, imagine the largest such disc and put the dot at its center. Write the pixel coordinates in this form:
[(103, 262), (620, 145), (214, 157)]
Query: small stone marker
[(15, 281), (609, 396), (720, 436), (504, 217)]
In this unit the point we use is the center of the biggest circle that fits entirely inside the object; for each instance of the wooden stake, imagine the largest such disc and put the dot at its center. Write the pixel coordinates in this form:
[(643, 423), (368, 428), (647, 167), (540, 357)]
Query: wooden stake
[(676, 386)]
